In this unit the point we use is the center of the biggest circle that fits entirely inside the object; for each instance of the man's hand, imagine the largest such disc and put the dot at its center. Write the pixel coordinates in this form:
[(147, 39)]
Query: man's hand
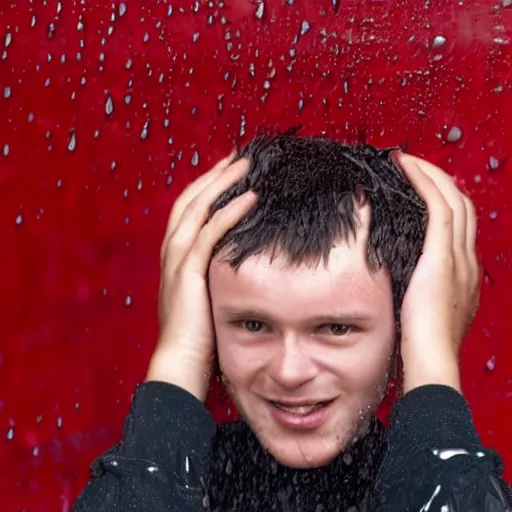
[(183, 355), (442, 297)]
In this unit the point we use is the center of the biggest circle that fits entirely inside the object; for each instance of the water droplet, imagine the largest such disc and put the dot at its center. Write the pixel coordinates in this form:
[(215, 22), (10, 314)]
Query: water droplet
[(35, 451), (145, 129), (260, 11), (72, 142), (195, 159), (19, 219), (8, 39), (80, 26), (491, 364), (454, 135), (438, 41), (494, 163), (305, 28), (128, 301), (242, 125), (6, 149), (7, 92), (139, 184), (169, 10), (493, 215), (59, 422), (128, 99), (152, 469), (506, 3), (51, 30), (109, 105), (168, 181), (122, 9), (195, 37), (10, 434)]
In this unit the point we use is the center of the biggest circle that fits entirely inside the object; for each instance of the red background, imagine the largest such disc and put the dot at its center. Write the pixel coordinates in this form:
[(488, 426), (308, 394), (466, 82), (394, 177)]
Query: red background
[(85, 189)]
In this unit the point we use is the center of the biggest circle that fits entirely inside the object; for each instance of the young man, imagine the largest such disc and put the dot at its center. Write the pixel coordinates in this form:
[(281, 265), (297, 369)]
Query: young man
[(305, 266)]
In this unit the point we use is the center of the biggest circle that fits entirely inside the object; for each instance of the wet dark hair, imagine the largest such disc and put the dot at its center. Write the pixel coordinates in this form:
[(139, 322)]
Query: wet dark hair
[(308, 189)]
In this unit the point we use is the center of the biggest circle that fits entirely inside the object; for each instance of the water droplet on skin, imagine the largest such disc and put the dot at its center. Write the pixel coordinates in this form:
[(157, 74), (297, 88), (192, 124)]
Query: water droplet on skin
[(19, 219), (305, 28), (7, 92), (128, 301), (195, 159), (109, 106), (122, 9), (454, 135), (260, 11), (438, 41), (72, 142)]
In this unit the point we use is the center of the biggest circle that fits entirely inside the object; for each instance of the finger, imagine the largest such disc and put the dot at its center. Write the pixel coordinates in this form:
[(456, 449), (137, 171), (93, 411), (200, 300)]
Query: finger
[(440, 216), (198, 210), (471, 230), (453, 196), (190, 192), (221, 222)]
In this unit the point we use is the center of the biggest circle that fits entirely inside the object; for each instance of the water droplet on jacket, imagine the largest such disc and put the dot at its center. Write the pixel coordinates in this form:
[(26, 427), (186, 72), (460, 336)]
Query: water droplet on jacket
[(506, 3), (122, 9), (195, 159), (80, 25), (128, 301), (8, 39), (454, 135), (6, 149), (35, 451), (493, 215), (491, 364), (305, 27), (260, 11), (59, 422), (10, 434), (438, 41), (19, 219), (109, 106), (7, 92), (72, 141)]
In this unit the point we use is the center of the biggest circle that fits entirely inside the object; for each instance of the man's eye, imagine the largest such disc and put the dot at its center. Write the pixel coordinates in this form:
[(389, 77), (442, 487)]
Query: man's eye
[(253, 325), (339, 329)]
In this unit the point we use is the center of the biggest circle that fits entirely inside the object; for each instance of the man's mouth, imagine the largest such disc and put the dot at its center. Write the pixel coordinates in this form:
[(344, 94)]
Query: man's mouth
[(300, 410)]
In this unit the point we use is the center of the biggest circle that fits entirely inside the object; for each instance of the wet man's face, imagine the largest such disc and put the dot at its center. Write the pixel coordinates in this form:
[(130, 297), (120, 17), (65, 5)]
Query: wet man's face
[(305, 351)]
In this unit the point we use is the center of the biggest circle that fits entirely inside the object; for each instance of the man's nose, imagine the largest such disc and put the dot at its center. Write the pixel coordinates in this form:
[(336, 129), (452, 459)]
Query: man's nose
[(293, 367)]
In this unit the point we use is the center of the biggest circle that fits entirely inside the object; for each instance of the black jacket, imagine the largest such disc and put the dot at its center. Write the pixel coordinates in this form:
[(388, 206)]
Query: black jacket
[(174, 458)]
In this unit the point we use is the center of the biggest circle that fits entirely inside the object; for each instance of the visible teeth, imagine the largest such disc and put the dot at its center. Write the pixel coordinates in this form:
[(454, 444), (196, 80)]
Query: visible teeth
[(301, 410)]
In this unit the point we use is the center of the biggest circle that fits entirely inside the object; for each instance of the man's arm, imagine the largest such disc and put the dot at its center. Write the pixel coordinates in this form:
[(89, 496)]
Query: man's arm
[(162, 459), (435, 461)]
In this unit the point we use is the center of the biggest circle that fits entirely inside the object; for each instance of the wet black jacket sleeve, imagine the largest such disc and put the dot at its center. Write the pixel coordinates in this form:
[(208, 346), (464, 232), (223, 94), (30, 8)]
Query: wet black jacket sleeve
[(160, 463), (435, 461)]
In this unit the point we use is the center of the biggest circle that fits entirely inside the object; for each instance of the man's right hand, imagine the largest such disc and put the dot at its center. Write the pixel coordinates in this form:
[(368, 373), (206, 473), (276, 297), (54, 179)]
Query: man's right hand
[(185, 349)]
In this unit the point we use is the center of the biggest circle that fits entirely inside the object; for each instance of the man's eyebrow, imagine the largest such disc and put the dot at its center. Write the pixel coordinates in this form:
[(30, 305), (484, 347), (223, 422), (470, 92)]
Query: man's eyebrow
[(331, 318)]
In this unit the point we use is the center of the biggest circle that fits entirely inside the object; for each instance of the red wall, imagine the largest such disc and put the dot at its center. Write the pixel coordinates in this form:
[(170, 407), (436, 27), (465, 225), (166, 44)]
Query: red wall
[(85, 190)]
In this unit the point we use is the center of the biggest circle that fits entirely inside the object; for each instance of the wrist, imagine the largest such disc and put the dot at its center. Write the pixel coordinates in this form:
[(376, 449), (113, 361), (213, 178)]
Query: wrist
[(419, 373), (180, 369)]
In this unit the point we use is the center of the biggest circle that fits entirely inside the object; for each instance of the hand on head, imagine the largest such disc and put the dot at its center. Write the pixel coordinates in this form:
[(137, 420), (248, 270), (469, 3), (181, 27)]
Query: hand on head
[(183, 355), (443, 293)]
